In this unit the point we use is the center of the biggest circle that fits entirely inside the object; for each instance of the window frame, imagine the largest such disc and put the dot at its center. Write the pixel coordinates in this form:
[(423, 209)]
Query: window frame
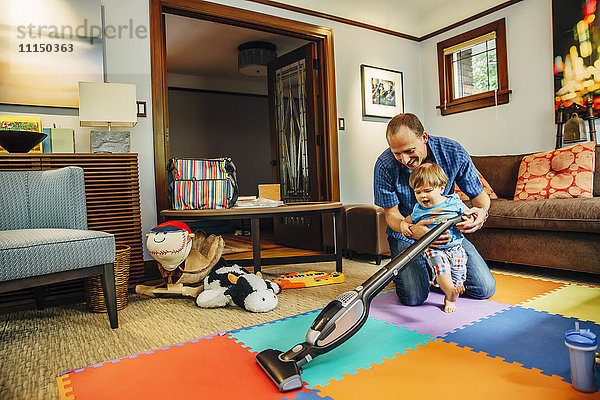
[(446, 73)]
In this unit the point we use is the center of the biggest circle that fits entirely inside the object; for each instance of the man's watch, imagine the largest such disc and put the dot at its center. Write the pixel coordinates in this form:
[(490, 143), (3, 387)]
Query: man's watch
[(487, 214)]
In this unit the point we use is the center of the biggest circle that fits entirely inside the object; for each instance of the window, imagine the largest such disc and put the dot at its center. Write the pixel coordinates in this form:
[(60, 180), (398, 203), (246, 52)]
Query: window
[(473, 70)]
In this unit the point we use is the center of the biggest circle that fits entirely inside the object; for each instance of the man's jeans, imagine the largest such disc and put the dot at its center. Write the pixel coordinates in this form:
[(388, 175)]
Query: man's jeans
[(412, 284)]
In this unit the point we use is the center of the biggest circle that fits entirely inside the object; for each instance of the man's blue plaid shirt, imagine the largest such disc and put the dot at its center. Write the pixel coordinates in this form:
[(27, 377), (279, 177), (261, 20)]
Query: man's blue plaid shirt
[(391, 177)]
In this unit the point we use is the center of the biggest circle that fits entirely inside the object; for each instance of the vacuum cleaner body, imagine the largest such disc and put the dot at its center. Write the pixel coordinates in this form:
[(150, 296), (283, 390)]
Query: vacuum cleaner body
[(341, 318)]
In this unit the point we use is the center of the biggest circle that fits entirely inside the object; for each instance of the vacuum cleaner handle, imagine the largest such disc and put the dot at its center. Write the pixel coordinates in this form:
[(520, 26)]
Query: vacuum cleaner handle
[(384, 276), (345, 315), (341, 318)]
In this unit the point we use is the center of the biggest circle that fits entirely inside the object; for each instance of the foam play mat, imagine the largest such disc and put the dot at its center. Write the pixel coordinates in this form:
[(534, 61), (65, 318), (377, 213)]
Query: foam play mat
[(510, 346)]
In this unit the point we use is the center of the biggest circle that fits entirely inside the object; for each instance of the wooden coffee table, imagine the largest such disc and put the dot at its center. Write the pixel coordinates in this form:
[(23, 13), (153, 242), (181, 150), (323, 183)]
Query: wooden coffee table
[(254, 214)]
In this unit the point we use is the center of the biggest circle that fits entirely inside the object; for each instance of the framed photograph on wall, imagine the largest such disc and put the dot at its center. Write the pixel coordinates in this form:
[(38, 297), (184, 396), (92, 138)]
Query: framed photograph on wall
[(45, 51), (382, 93)]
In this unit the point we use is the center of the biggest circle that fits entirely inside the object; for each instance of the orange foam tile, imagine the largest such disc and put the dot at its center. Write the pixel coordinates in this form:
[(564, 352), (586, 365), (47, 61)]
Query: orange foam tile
[(442, 370), (514, 289), (215, 368)]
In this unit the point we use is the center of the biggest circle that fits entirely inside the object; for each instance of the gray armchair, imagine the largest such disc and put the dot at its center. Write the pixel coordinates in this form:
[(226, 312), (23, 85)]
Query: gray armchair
[(44, 236)]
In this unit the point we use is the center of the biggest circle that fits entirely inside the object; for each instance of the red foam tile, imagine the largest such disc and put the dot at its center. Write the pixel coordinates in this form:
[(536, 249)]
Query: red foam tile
[(215, 368)]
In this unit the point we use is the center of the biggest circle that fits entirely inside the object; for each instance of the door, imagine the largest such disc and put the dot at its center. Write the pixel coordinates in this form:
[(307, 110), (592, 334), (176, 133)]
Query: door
[(295, 148)]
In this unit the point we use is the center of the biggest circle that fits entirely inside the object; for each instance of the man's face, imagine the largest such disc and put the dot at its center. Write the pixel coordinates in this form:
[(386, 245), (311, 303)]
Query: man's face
[(408, 148)]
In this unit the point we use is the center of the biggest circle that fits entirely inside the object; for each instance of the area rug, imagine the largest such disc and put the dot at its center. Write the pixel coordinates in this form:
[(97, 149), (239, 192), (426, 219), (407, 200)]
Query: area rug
[(510, 346)]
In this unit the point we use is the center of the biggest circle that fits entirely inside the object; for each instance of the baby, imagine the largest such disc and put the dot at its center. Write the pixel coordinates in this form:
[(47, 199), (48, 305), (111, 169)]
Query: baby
[(448, 262)]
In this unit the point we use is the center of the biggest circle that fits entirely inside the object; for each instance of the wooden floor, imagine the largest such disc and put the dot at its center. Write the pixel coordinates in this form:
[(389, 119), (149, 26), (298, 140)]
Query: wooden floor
[(240, 248)]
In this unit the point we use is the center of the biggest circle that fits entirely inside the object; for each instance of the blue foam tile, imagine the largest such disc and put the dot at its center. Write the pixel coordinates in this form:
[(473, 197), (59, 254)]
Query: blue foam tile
[(312, 395), (375, 342), (532, 338)]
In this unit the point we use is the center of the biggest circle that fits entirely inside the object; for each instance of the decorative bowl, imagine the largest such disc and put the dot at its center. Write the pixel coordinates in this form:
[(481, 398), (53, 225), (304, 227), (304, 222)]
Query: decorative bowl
[(20, 141)]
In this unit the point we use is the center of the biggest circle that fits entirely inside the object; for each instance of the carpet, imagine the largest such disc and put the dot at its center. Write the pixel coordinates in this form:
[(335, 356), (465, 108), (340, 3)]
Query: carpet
[(508, 346)]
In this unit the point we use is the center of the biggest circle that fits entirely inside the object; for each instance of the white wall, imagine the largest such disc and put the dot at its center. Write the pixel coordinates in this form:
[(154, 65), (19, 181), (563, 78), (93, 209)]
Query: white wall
[(359, 144), (128, 61), (526, 123), (363, 140)]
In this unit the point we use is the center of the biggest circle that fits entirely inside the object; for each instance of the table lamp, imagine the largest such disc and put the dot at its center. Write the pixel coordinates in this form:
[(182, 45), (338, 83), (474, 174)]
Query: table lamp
[(108, 105)]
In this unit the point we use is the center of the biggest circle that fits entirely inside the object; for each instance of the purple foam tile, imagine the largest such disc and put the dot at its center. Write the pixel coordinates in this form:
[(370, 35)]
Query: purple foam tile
[(429, 317)]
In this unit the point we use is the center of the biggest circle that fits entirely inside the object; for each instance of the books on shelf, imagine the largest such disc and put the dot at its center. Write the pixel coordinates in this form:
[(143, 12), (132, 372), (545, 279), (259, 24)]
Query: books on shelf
[(255, 202), (62, 140)]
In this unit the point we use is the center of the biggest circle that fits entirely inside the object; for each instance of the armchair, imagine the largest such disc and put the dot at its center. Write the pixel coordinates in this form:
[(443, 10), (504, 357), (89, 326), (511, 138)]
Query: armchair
[(44, 236)]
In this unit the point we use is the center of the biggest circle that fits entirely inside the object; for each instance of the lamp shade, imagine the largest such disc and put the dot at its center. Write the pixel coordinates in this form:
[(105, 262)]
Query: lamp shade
[(107, 104)]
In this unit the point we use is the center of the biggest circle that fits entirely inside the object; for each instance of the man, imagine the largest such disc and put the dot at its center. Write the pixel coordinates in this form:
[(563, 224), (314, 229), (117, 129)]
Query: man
[(409, 147)]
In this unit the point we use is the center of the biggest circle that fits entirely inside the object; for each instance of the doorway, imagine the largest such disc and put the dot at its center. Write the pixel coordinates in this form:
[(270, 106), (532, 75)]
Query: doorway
[(233, 18)]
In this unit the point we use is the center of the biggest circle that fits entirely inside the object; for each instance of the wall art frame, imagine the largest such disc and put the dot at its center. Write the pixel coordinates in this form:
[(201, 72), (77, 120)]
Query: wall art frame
[(382, 92)]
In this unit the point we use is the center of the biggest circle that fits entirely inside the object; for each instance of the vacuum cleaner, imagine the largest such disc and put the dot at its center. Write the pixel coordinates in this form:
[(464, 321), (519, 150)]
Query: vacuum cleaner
[(341, 318)]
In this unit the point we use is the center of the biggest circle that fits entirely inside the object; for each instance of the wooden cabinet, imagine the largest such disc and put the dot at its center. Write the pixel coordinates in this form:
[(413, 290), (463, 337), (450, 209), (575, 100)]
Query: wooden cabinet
[(113, 204)]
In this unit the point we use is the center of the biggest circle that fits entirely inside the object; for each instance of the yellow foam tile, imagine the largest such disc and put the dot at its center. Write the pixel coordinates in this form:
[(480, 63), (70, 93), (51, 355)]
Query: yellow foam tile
[(441, 370), (577, 301)]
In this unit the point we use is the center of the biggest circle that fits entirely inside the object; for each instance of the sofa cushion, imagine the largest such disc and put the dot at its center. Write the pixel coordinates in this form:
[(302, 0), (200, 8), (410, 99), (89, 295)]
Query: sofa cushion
[(563, 173), (500, 171), (486, 188), (32, 252), (570, 215)]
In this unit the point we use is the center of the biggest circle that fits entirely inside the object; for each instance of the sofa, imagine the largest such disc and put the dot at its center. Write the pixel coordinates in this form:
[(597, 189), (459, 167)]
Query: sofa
[(553, 233)]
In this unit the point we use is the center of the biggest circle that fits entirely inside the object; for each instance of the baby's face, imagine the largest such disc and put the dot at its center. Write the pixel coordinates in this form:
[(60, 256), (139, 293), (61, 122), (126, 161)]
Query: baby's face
[(429, 196)]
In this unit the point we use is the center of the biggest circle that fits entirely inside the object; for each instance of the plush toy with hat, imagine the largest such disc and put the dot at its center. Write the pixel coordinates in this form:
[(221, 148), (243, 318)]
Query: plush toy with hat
[(234, 285), (183, 258)]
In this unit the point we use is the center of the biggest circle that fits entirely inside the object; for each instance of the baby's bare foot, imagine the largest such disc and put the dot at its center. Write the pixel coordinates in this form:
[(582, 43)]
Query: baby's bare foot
[(449, 306), (461, 290)]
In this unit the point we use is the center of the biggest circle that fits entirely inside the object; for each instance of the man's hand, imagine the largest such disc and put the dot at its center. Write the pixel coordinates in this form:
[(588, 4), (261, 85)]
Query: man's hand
[(405, 228), (418, 230), (473, 220)]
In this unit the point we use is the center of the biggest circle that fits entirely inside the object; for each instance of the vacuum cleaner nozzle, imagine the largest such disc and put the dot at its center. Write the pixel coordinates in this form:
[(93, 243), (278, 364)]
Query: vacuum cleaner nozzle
[(285, 374)]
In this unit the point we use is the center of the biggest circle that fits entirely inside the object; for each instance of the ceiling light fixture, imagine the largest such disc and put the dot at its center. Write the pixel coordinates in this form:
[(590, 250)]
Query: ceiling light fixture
[(253, 57)]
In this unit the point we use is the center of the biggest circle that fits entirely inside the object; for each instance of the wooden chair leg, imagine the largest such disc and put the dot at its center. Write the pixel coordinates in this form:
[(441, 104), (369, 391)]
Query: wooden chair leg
[(38, 293), (378, 261), (110, 296)]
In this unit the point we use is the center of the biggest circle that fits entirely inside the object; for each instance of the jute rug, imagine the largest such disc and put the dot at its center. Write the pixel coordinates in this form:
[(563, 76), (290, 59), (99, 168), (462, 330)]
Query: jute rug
[(37, 346)]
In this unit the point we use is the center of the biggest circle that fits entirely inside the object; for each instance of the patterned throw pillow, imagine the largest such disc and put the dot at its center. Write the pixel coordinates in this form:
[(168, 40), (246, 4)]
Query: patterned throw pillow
[(561, 173), (486, 188)]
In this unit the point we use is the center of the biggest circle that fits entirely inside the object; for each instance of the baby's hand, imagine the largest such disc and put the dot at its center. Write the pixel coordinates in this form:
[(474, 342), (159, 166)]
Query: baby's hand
[(405, 228)]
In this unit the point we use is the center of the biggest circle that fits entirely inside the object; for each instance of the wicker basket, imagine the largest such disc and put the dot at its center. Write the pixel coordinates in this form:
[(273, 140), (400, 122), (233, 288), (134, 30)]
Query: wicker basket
[(93, 287)]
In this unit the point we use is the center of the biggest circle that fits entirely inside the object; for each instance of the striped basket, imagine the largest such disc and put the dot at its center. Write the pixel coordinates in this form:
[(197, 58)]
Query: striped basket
[(94, 294)]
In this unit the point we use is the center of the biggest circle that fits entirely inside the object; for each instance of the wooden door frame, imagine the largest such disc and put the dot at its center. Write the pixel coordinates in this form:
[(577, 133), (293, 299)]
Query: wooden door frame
[(323, 37)]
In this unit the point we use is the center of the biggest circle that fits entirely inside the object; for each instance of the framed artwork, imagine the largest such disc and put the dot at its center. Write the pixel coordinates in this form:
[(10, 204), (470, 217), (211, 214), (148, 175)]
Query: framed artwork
[(11, 123), (576, 40), (45, 52), (382, 93)]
